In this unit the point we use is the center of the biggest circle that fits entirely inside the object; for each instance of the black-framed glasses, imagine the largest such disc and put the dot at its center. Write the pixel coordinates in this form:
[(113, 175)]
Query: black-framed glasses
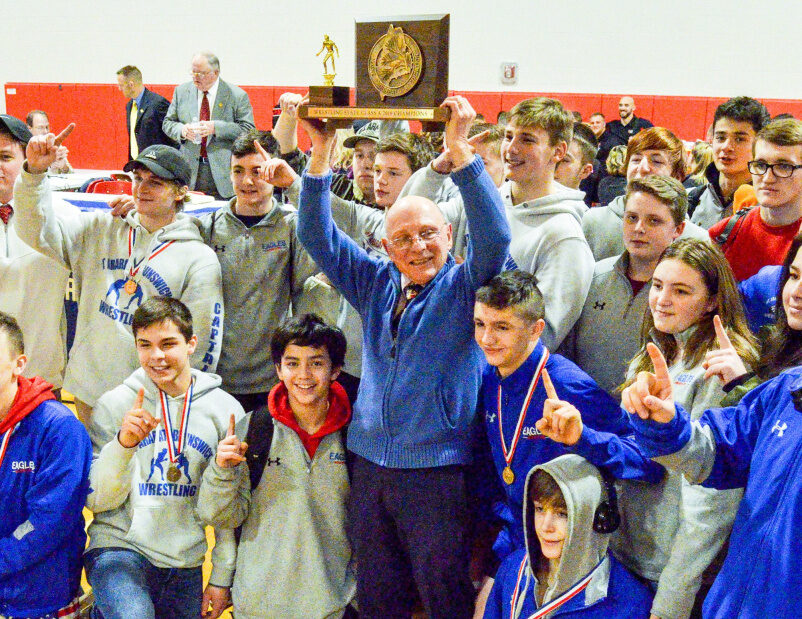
[(403, 243), (780, 170)]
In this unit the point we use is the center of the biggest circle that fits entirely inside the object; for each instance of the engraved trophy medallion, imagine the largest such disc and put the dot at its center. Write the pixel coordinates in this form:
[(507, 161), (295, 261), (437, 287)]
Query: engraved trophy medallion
[(395, 63), (130, 286)]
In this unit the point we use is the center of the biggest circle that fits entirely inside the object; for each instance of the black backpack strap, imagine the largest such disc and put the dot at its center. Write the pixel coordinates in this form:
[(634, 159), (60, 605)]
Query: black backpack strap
[(350, 456), (694, 197), (724, 235), (259, 439)]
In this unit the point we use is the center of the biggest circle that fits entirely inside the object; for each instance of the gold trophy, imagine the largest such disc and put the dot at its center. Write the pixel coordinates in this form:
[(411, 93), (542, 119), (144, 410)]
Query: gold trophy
[(329, 95), (401, 73)]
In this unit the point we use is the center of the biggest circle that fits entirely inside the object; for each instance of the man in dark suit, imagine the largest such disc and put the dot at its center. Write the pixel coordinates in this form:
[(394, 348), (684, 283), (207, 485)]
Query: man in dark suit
[(206, 115), (144, 122)]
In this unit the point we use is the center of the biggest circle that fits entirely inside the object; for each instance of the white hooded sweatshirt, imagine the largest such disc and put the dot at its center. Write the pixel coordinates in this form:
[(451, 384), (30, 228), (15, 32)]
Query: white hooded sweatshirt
[(135, 503), (95, 246)]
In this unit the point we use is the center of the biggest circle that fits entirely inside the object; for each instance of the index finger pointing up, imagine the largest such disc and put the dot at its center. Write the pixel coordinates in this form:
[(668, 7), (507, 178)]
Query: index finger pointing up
[(140, 398), (659, 362), (551, 392), (231, 424), (261, 150), (64, 134), (721, 334)]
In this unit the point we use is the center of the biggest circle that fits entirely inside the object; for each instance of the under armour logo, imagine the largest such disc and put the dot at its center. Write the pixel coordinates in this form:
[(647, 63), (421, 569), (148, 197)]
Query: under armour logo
[(599, 305), (219, 249), (490, 417), (781, 428), (271, 461)]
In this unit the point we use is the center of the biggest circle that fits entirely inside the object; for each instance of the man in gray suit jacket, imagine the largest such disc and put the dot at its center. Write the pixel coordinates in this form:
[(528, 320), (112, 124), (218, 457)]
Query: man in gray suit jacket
[(206, 115)]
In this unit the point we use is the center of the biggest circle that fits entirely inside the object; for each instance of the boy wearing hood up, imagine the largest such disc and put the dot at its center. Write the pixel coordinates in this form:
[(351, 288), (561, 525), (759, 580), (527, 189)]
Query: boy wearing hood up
[(44, 472), (566, 568), (299, 501), (147, 542), (119, 263)]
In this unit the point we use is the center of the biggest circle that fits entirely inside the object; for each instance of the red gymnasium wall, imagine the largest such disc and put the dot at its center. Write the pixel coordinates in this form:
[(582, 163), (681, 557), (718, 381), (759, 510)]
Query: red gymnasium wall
[(100, 140)]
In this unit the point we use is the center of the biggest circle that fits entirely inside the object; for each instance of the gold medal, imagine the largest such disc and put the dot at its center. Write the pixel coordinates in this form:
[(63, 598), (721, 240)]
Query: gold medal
[(507, 475), (131, 286), (173, 474)]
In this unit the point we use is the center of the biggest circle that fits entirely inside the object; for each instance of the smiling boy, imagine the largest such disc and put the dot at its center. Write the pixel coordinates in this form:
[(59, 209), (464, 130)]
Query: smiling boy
[(761, 236), (508, 322), (119, 263), (263, 270), (303, 480), (607, 334), (735, 124), (566, 563), (147, 543)]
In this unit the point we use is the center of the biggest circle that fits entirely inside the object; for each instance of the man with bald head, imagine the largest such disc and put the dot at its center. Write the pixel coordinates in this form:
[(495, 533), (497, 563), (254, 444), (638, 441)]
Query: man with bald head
[(206, 115), (621, 130), (411, 429)]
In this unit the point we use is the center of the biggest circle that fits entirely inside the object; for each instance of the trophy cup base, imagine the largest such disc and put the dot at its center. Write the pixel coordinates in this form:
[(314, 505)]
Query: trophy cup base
[(329, 96)]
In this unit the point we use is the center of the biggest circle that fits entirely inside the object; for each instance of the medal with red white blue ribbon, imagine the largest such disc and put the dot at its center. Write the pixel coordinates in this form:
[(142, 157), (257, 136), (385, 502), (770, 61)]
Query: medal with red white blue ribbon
[(174, 448), (556, 602), (507, 474), (133, 266)]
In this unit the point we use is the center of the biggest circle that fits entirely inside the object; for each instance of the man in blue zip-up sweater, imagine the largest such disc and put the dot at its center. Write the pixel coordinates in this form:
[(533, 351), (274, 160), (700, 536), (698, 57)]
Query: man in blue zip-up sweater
[(44, 479), (411, 429)]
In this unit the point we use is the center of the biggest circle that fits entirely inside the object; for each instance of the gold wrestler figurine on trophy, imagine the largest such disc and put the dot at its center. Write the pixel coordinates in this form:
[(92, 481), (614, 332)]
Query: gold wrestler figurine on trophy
[(330, 48)]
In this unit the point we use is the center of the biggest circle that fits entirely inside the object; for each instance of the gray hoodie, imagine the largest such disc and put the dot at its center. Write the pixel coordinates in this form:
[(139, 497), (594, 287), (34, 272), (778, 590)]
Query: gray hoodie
[(607, 334), (94, 246), (547, 241), (604, 229), (135, 505), (264, 268), (582, 488)]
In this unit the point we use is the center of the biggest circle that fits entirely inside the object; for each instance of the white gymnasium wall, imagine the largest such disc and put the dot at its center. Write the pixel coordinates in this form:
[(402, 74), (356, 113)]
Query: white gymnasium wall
[(671, 47)]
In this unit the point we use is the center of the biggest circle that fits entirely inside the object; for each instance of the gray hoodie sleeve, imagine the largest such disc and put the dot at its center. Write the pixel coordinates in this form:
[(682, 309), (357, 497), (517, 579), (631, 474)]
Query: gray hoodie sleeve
[(38, 225), (427, 183), (564, 276), (224, 558), (224, 498), (112, 464), (203, 295), (706, 521), (345, 213)]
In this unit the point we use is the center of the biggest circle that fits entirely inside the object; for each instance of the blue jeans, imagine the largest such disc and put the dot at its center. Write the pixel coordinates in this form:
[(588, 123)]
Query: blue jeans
[(127, 585)]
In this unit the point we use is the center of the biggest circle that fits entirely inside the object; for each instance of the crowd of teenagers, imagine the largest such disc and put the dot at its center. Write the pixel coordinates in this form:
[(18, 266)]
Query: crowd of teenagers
[(433, 381)]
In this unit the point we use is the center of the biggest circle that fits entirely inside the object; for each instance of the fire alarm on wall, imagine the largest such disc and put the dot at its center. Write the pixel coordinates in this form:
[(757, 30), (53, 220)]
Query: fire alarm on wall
[(509, 72)]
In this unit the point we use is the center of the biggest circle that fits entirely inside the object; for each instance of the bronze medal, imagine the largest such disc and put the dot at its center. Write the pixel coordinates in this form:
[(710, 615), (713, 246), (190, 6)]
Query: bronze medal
[(507, 475), (173, 474), (131, 286)]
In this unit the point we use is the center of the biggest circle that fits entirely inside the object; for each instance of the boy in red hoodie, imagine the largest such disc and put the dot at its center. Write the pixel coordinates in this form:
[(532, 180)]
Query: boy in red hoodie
[(294, 558), (45, 455)]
